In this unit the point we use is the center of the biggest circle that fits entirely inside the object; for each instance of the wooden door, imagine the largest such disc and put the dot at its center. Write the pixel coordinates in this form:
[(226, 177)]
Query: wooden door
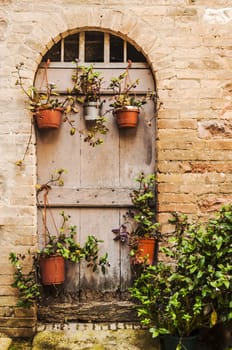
[(97, 185)]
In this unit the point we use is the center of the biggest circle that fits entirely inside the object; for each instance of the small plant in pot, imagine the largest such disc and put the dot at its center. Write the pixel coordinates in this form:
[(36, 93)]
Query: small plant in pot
[(145, 234), (46, 106), (87, 89), (48, 266), (144, 230), (87, 84), (126, 105), (63, 246), (194, 289)]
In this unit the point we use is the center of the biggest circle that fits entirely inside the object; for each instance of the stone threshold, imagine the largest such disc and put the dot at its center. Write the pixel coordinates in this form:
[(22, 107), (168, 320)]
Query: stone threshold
[(91, 312)]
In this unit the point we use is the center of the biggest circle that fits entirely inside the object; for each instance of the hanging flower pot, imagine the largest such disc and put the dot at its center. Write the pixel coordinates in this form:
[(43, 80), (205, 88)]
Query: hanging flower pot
[(127, 116), (92, 110), (52, 270), (146, 250), (126, 105), (48, 118)]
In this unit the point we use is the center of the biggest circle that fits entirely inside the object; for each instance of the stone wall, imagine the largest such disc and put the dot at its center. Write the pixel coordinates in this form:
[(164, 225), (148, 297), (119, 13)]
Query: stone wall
[(187, 43)]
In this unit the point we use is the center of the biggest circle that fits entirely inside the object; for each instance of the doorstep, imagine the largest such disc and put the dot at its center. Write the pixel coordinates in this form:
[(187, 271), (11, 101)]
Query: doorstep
[(113, 311)]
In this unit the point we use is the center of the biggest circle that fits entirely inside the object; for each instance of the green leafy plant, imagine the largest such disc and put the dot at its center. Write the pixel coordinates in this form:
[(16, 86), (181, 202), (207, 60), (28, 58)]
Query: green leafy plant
[(194, 289), (92, 135), (91, 254), (143, 215), (64, 243), (48, 99), (87, 84), (66, 246), (27, 283), (143, 200), (140, 221), (124, 93), (87, 90)]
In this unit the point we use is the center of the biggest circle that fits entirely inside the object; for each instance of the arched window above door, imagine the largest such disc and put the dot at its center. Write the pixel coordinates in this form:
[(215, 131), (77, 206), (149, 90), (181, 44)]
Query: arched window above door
[(94, 47)]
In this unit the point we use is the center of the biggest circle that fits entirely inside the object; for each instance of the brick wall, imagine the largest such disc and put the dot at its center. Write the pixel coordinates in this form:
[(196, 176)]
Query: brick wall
[(187, 43)]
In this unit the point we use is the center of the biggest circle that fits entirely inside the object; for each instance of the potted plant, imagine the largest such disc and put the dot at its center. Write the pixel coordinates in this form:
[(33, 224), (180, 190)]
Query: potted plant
[(64, 246), (49, 263), (144, 230), (46, 106), (126, 105), (194, 288), (87, 85)]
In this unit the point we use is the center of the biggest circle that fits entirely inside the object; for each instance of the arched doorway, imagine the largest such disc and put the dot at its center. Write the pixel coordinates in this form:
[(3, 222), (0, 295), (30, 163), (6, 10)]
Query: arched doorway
[(98, 180)]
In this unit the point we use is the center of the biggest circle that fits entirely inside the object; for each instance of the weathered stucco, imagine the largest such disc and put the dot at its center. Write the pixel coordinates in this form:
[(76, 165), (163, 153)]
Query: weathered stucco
[(187, 43)]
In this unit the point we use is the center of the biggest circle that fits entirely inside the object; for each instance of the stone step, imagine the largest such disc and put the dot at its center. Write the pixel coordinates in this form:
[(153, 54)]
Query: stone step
[(93, 336), (5, 341), (111, 311)]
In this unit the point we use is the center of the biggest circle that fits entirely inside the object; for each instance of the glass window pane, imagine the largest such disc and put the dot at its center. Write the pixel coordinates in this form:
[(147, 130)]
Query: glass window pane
[(134, 55), (71, 48), (94, 47), (116, 49), (54, 54)]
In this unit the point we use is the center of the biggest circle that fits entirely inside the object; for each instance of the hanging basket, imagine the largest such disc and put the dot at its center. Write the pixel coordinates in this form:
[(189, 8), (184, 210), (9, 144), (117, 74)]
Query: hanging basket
[(52, 270), (127, 117), (48, 118), (146, 249)]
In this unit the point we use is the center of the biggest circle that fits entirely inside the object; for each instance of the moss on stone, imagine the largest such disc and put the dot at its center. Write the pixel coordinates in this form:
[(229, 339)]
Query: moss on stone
[(129, 339), (48, 340), (21, 344)]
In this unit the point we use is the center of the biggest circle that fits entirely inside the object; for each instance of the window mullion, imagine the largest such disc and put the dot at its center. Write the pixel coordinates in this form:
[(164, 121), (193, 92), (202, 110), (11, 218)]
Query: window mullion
[(106, 48), (125, 51), (62, 50), (82, 47)]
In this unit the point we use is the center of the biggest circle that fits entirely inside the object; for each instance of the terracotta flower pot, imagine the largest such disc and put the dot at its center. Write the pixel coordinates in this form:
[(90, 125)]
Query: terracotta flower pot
[(52, 270), (49, 118), (127, 117), (146, 249)]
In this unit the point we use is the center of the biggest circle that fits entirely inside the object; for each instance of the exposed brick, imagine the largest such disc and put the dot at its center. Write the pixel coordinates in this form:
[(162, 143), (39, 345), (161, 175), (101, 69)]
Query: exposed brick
[(17, 322), (196, 155), (20, 332), (177, 124)]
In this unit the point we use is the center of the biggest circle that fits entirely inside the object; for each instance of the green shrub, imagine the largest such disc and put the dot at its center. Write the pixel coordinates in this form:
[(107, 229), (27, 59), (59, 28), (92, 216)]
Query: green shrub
[(194, 290)]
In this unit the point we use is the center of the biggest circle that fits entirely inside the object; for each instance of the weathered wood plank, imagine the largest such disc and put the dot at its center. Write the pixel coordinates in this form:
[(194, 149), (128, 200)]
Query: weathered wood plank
[(88, 197), (64, 81), (100, 223)]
